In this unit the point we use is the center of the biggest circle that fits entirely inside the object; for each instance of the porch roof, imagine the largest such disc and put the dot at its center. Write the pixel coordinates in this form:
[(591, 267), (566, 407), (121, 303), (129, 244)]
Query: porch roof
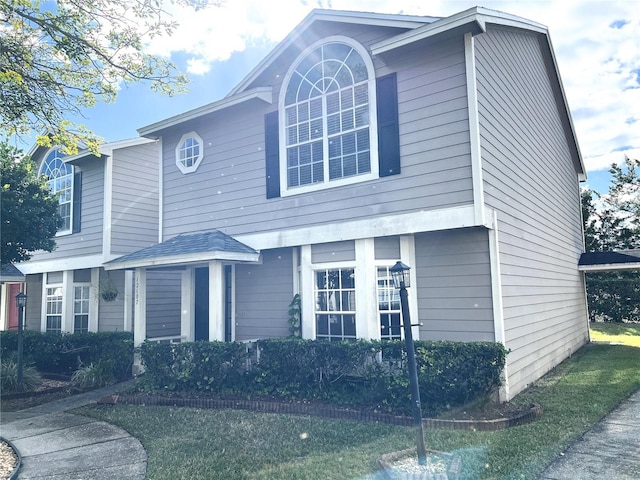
[(187, 249), (609, 261), (9, 273)]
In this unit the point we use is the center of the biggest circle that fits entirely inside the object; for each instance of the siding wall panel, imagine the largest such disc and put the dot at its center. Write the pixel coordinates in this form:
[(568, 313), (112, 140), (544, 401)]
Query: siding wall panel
[(531, 180), (227, 191), (454, 285), (263, 293)]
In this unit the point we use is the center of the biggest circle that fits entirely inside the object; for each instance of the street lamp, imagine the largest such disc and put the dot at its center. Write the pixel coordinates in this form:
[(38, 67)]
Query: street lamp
[(21, 302), (400, 275)]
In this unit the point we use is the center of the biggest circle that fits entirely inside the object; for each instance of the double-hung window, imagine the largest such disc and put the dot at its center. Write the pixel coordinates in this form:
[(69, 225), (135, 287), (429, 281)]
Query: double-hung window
[(60, 181), (328, 118), (54, 309), (389, 310), (81, 304), (335, 310)]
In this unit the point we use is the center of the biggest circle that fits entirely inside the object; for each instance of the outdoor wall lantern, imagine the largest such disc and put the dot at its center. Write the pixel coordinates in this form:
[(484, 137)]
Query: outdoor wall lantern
[(400, 275), (21, 303)]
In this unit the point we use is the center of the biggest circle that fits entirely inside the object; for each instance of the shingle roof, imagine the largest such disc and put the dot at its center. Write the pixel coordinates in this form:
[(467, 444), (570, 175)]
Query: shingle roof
[(214, 242), (11, 273), (609, 261)]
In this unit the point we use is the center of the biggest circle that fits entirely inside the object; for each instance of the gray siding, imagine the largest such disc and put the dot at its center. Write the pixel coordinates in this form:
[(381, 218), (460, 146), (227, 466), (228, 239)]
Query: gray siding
[(387, 248), (163, 302), (333, 252), (111, 314), (89, 240), (454, 285), (529, 178), (33, 311), (227, 192), (262, 296), (134, 215)]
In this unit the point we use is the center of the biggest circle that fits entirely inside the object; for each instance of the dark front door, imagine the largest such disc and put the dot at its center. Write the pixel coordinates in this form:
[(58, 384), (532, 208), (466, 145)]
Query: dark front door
[(202, 304)]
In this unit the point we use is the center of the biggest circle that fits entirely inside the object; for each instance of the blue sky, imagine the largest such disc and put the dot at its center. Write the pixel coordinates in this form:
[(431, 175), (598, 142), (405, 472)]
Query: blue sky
[(597, 47)]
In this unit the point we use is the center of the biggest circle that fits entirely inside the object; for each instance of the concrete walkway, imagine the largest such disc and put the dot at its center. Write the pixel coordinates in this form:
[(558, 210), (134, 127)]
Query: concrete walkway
[(56, 445), (610, 450)]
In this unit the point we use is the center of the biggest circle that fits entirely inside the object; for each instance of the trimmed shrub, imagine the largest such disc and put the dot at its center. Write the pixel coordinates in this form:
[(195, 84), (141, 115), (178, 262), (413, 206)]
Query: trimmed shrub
[(362, 373), (215, 367), (64, 354)]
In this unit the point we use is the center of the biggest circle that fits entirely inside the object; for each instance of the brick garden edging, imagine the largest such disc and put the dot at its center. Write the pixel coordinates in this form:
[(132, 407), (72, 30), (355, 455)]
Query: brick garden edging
[(325, 411)]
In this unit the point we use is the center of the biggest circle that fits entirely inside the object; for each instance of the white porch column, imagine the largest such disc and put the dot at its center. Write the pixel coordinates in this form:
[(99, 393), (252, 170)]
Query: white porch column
[(129, 296), (367, 323), (94, 300), (307, 302), (140, 307), (187, 306), (216, 301), (67, 301)]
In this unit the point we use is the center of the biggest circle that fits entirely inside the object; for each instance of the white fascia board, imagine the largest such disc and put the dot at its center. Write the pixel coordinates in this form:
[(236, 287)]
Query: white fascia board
[(108, 148), (609, 267), (175, 260), (61, 264), (338, 16), (481, 16), (426, 31), (262, 93), (392, 225)]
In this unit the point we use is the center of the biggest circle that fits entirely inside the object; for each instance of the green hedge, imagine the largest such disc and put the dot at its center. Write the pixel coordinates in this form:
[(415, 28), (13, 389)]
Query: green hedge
[(64, 354), (363, 373), (214, 367)]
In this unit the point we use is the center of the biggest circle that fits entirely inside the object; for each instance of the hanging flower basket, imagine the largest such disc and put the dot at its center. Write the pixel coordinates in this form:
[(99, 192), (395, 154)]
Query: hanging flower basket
[(108, 289)]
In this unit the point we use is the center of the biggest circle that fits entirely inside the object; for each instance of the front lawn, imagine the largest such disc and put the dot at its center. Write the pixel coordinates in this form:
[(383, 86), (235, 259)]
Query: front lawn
[(185, 443), (621, 333)]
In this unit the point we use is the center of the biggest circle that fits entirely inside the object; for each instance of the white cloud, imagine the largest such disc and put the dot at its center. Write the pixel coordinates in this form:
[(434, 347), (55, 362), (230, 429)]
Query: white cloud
[(596, 56)]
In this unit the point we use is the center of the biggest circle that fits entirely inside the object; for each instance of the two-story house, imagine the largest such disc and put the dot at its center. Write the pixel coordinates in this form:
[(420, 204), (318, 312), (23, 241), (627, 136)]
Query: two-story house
[(363, 139), (109, 207)]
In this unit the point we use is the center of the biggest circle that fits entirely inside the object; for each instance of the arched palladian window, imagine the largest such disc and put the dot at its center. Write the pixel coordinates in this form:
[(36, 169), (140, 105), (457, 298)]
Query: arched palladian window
[(328, 118), (60, 182)]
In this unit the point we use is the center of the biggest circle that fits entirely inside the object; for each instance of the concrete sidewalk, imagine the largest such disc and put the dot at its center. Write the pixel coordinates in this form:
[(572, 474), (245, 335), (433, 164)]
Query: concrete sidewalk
[(59, 445), (610, 450)]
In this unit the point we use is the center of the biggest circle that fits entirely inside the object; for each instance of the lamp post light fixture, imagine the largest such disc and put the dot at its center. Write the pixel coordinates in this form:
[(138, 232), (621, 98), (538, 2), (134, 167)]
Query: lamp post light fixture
[(400, 275), (21, 303)]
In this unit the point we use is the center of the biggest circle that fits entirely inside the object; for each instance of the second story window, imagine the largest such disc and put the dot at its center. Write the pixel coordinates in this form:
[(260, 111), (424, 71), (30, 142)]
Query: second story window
[(189, 152), (327, 118), (60, 181)]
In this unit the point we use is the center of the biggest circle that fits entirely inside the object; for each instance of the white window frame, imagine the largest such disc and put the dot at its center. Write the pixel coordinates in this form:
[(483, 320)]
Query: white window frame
[(180, 148), (52, 181), (341, 311), (285, 190), (47, 302), (396, 293), (85, 301)]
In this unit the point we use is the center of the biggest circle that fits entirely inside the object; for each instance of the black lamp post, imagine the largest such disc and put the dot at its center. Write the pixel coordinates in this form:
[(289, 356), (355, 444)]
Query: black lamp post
[(21, 302), (400, 275)]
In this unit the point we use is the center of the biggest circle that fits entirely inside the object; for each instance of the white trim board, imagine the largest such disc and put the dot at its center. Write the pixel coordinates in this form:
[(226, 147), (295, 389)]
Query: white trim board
[(401, 224), (59, 264)]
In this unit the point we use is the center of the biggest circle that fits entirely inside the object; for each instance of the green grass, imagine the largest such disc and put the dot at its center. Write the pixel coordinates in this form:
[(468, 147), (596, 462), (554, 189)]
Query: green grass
[(622, 333), (207, 444)]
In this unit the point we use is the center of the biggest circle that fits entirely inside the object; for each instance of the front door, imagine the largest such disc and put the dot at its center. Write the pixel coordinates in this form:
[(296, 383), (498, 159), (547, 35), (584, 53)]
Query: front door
[(13, 290), (202, 304)]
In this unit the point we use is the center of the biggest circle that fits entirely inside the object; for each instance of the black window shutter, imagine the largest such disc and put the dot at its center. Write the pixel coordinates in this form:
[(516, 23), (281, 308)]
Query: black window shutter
[(77, 202), (388, 131), (272, 154)]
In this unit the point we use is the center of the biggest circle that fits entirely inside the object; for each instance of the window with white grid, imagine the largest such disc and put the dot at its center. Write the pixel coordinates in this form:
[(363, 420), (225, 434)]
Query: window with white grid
[(189, 152), (335, 310), (60, 181), (389, 310), (81, 309), (327, 116), (54, 309)]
